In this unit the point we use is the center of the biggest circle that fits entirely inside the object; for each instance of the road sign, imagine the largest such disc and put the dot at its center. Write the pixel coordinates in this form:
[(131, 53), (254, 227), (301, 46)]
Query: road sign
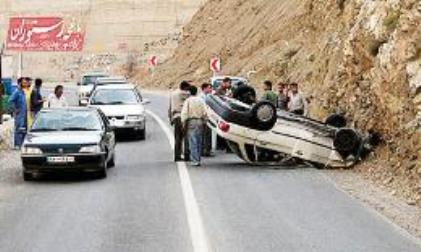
[(43, 34), (215, 65), (153, 61)]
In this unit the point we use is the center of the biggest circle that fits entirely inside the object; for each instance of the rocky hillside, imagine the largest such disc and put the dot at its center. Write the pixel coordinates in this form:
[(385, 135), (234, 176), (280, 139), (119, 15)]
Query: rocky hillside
[(358, 56)]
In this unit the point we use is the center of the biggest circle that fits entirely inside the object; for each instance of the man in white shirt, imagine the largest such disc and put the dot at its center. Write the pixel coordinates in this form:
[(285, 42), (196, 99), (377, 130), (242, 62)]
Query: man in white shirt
[(297, 103), (57, 100), (194, 116)]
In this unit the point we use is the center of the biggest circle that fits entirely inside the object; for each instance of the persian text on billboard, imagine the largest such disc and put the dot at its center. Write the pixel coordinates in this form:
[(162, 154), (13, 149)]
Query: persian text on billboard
[(44, 34)]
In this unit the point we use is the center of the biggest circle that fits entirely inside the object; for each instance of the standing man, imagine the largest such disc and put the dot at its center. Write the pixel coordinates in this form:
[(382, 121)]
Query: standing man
[(37, 101), (224, 87), (194, 116), (207, 132), (57, 100), (269, 95), (283, 97), (177, 99), (18, 104), (297, 101)]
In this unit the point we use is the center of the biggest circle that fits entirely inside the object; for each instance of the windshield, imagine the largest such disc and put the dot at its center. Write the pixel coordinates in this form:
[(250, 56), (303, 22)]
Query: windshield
[(90, 80), (234, 82), (115, 97), (67, 120)]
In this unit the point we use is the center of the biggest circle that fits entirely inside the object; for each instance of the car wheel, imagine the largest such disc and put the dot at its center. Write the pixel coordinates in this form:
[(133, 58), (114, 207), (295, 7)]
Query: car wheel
[(336, 120), (28, 176), (102, 173), (141, 134), (264, 115), (347, 142)]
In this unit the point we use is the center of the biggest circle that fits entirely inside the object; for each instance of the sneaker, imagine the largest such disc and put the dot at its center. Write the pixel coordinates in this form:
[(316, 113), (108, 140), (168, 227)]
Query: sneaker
[(197, 164)]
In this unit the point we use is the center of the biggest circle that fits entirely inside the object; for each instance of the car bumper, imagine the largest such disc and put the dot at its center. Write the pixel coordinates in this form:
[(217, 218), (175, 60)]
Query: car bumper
[(122, 125), (82, 163)]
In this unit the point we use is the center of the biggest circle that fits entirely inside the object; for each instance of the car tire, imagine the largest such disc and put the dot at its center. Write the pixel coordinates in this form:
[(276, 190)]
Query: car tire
[(336, 120), (263, 115), (28, 176), (102, 173), (141, 134), (347, 142)]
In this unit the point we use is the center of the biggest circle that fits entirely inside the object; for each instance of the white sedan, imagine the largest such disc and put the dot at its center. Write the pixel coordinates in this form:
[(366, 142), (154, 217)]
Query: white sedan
[(261, 135), (124, 107)]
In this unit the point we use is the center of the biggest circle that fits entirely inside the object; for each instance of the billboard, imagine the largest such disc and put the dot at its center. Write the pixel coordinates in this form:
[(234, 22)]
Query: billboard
[(44, 34)]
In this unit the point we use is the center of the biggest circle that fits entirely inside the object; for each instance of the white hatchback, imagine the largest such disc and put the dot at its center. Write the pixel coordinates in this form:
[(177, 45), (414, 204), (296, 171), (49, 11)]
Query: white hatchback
[(123, 105)]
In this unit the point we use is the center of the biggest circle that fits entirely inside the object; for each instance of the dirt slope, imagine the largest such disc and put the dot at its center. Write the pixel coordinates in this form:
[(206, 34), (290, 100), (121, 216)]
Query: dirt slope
[(357, 56)]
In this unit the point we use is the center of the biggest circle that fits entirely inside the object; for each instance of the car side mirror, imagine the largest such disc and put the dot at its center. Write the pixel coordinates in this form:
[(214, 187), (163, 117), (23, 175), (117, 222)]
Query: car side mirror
[(146, 101)]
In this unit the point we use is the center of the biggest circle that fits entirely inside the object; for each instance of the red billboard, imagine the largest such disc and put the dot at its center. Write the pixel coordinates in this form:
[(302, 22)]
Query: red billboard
[(43, 34)]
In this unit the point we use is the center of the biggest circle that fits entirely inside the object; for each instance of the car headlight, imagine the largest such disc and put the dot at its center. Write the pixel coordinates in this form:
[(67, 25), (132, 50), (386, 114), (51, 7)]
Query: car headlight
[(90, 149), (135, 117), (31, 150)]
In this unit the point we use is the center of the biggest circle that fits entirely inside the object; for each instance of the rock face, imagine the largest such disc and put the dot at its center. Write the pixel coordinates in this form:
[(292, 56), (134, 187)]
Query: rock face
[(359, 56)]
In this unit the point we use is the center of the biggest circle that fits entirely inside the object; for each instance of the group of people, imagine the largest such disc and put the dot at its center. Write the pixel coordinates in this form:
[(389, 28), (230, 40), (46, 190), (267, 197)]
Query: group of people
[(27, 101), (287, 97), (187, 112)]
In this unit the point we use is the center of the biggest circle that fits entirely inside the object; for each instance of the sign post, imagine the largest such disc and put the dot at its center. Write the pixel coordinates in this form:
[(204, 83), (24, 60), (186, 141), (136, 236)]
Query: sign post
[(215, 65), (152, 62)]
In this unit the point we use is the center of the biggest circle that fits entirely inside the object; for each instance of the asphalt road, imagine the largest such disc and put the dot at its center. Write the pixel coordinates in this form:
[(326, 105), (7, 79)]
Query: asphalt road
[(141, 207)]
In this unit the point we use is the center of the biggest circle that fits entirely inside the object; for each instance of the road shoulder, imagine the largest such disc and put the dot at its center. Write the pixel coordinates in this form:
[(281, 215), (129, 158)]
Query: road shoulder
[(395, 209)]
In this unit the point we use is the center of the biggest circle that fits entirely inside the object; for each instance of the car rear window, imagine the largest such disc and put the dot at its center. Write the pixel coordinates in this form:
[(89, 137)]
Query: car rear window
[(115, 97)]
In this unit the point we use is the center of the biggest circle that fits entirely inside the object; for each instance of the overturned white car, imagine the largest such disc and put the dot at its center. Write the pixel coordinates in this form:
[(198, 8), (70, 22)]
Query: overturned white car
[(259, 134)]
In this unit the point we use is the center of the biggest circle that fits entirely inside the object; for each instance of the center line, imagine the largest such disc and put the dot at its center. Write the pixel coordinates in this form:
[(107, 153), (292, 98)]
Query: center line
[(197, 231)]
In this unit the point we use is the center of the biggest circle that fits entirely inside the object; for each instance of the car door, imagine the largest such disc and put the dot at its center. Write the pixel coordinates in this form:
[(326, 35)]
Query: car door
[(109, 136)]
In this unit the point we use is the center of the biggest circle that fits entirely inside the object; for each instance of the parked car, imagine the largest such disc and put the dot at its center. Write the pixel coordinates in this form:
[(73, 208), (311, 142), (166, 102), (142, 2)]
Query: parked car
[(259, 134), (68, 140), (123, 105), (86, 84)]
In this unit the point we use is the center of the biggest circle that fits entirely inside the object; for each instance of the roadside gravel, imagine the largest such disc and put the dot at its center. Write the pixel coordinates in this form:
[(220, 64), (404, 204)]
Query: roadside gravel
[(398, 210)]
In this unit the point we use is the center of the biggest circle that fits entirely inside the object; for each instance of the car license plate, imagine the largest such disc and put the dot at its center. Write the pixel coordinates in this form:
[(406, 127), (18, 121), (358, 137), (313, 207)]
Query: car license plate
[(60, 160)]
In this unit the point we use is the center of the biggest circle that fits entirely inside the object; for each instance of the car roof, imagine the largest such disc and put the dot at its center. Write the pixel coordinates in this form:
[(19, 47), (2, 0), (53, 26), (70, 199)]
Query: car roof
[(116, 79), (95, 74), (116, 86), (72, 108)]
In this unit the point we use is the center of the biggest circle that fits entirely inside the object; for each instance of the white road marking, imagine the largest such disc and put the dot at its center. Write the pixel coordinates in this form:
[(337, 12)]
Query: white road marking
[(194, 218)]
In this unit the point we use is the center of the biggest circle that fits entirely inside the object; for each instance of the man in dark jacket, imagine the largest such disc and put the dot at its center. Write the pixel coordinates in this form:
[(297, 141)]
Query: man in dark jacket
[(177, 99), (37, 100)]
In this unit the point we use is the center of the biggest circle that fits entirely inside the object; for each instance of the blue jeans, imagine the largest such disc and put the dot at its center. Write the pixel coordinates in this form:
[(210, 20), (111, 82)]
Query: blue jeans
[(195, 136)]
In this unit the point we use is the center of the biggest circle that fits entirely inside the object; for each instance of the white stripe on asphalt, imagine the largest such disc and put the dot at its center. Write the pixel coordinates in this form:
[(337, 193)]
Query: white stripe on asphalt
[(197, 231)]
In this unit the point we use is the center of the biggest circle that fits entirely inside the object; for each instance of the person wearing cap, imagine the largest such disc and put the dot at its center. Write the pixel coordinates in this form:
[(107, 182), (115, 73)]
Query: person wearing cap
[(297, 102), (19, 104)]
